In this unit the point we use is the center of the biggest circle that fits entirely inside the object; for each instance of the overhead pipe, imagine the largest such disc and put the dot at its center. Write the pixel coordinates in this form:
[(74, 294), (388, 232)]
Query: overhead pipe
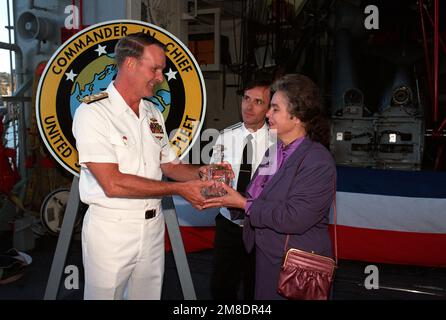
[(438, 161), (77, 16), (81, 9), (345, 83), (345, 89), (437, 132), (30, 5), (81, 18), (9, 27), (436, 64), (73, 4), (426, 50), (443, 45), (195, 8)]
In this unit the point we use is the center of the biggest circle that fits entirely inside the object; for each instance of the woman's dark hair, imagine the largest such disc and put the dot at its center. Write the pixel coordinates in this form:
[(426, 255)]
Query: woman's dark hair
[(133, 45), (305, 102)]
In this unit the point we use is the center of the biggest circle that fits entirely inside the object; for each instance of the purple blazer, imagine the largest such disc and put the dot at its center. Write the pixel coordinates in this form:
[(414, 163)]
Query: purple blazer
[(296, 201)]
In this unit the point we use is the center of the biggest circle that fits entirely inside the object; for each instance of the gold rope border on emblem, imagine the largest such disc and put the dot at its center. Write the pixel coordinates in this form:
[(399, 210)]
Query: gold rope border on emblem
[(194, 86)]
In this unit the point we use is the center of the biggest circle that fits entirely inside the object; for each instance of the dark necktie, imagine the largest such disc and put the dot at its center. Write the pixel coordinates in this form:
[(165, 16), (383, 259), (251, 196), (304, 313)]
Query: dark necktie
[(244, 175)]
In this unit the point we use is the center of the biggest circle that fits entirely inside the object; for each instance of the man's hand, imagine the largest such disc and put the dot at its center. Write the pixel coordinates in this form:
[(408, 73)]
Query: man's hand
[(203, 172), (192, 192)]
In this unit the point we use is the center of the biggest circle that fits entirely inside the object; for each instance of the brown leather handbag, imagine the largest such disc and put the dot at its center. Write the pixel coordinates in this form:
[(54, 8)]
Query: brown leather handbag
[(305, 275)]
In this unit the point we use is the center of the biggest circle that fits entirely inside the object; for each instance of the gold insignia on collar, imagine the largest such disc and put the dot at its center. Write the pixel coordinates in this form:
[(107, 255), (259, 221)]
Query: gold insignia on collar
[(94, 97)]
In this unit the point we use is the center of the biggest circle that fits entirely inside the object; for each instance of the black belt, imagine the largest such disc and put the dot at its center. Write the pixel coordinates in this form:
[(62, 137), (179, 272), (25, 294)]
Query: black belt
[(150, 214)]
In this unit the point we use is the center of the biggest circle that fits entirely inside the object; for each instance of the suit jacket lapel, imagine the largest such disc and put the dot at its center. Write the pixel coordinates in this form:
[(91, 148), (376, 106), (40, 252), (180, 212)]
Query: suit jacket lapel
[(296, 157)]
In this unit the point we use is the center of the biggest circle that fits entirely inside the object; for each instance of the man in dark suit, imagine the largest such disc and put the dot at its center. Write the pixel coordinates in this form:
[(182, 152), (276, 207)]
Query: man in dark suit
[(244, 145), (294, 195)]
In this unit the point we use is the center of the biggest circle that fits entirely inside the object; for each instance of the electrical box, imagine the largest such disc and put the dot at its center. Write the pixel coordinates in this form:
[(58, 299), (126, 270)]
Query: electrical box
[(352, 141), (400, 143)]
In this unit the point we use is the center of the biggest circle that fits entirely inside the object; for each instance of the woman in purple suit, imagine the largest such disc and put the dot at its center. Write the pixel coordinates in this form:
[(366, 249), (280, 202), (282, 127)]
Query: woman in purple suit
[(293, 193)]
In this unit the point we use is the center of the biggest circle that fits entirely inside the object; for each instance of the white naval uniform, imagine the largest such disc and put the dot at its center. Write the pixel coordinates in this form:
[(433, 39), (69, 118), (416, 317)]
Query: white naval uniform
[(119, 246), (232, 138)]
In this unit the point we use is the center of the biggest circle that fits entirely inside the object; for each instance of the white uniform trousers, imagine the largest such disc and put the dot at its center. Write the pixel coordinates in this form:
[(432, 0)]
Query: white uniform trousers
[(122, 251)]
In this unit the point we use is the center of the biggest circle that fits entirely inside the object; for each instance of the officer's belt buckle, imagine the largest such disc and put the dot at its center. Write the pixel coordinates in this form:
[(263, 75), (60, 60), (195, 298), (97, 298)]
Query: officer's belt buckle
[(150, 214)]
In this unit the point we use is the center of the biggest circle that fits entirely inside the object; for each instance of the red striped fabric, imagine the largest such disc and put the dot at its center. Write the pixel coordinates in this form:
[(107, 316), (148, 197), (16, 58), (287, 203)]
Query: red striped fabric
[(395, 247), (195, 238), (371, 245)]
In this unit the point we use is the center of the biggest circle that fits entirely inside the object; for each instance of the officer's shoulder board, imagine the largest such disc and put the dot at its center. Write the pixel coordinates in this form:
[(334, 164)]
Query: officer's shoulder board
[(233, 127), (94, 97)]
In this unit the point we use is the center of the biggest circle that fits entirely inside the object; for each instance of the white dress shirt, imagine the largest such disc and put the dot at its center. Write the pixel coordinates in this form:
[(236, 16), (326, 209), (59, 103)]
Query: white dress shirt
[(108, 131), (232, 138)]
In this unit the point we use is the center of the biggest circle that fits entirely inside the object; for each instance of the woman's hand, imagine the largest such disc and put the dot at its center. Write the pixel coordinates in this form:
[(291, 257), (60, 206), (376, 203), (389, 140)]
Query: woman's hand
[(231, 199)]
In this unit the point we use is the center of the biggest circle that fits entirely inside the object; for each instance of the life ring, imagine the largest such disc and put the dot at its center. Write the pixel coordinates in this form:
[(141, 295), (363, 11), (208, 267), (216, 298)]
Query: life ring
[(52, 211)]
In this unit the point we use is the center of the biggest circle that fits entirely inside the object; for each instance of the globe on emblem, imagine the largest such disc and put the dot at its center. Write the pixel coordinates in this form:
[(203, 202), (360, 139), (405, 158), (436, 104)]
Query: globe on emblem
[(96, 77)]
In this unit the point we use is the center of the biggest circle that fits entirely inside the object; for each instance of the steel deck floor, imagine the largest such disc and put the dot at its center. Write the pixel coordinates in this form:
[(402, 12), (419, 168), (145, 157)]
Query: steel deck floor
[(396, 282)]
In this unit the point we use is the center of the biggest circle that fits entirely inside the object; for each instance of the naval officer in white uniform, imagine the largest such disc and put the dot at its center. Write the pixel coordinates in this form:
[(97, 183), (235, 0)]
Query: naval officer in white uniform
[(123, 152)]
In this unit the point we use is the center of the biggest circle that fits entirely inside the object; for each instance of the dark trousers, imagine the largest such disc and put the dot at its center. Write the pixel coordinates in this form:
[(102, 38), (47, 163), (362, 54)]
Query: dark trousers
[(233, 266)]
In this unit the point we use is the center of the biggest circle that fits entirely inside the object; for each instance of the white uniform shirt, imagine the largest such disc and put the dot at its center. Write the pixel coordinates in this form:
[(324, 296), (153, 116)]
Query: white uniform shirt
[(233, 140), (108, 131)]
